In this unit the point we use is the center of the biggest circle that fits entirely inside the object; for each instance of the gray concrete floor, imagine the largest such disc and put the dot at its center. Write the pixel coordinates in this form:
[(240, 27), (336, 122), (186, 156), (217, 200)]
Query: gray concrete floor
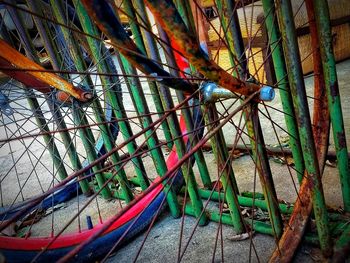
[(162, 245)]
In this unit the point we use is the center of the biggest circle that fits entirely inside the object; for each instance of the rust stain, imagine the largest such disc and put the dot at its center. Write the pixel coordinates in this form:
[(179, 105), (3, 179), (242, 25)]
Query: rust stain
[(63, 97), (334, 90)]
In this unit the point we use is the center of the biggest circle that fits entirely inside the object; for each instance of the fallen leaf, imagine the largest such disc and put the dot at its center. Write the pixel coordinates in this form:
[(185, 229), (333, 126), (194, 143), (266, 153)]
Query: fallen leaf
[(240, 237)]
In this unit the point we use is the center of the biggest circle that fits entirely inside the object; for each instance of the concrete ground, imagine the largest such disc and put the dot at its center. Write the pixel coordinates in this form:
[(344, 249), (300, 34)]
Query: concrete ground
[(162, 245)]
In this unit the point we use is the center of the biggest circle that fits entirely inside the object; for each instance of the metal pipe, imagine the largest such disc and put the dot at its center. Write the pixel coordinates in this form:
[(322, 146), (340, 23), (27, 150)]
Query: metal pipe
[(334, 104), (99, 51), (185, 111), (225, 173), (253, 126), (145, 42), (33, 102), (140, 103), (51, 49), (282, 80), (293, 63), (167, 15), (79, 117), (104, 12), (271, 151), (187, 170)]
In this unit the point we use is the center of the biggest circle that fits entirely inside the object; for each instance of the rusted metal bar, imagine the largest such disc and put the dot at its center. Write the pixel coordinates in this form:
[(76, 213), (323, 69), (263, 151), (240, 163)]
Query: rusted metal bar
[(104, 14), (321, 121), (167, 15), (11, 59), (299, 219), (271, 151), (34, 104), (292, 236)]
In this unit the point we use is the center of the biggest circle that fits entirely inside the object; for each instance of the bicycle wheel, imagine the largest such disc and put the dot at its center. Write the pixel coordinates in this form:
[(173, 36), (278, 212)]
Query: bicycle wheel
[(253, 122)]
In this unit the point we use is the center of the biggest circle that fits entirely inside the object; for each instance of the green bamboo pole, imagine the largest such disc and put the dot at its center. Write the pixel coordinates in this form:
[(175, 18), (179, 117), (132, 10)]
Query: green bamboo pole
[(333, 96), (293, 63)]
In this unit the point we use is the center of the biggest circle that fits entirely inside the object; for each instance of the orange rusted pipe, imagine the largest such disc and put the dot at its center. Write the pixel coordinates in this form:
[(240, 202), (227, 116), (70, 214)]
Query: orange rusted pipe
[(19, 67)]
